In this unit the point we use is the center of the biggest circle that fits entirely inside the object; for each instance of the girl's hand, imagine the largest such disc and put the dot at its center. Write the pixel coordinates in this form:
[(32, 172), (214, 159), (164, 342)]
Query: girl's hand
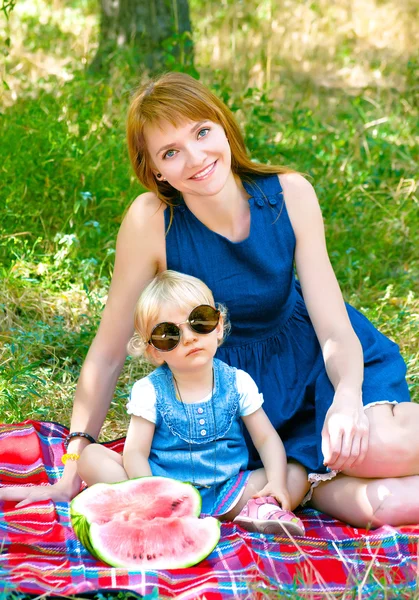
[(345, 432), (278, 492), (61, 491)]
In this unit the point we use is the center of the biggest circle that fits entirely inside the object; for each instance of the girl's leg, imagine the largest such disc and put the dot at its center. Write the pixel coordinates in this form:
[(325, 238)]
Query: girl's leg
[(297, 484), (370, 502), (393, 449), (98, 464)]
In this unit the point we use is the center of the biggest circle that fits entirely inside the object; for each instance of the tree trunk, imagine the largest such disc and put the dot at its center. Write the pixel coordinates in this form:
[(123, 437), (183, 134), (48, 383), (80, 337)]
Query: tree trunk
[(157, 31)]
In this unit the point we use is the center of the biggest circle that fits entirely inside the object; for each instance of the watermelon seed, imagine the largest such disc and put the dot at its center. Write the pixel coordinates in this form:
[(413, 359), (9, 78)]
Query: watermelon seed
[(149, 557)]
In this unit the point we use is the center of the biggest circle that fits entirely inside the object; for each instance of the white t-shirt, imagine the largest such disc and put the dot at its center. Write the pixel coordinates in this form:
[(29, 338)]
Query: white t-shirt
[(142, 402)]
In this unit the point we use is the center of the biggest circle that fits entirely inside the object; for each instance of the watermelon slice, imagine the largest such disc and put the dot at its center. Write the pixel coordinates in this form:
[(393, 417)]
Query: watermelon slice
[(150, 522)]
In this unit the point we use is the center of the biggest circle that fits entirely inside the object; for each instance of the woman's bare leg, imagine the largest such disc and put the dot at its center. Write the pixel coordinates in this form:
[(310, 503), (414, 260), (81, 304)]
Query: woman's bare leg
[(297, 484), (370, 502), (384, 488), (393, 449), (98, 464)]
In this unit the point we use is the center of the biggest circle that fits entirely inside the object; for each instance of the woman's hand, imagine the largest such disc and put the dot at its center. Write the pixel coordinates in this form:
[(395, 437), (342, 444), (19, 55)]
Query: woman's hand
[(345, 432), (277, 491)]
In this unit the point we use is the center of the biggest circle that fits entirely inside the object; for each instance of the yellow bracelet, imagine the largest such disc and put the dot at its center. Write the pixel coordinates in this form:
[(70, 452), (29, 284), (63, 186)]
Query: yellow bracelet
[(67, 457)]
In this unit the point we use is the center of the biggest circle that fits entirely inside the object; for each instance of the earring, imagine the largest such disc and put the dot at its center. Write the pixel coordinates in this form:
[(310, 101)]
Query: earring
[(159, 177)]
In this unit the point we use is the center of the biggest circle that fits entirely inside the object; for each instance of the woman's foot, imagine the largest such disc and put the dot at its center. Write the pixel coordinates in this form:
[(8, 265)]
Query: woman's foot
[(264, 515)]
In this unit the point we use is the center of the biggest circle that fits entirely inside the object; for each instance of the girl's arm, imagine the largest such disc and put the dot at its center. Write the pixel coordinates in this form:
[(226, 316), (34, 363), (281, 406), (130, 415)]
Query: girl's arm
[(345, 431), (140, 253), (137, 447), (272, 453)]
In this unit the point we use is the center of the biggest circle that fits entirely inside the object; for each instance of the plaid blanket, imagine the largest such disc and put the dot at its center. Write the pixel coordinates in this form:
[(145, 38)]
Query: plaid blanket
[(40, 553)]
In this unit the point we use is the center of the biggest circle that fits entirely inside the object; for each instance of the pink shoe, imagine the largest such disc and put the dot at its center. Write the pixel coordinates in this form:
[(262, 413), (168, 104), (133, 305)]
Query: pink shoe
[(264, 515)]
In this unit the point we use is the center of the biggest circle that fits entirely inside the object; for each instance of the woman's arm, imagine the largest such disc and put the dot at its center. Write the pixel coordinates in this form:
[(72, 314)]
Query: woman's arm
[(140, 253), (345, 432), (137, 447), (272, 454)]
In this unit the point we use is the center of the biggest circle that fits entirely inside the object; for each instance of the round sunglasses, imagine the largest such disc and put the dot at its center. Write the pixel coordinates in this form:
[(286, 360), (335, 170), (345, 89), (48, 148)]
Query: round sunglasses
[(203, 319)]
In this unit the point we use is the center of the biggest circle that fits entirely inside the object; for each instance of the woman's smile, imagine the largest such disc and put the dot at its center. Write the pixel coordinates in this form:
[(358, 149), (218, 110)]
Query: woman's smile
[(204, 173)]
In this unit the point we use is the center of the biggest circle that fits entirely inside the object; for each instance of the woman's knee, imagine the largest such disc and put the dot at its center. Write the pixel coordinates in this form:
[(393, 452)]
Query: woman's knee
[(370, 502), (344, 498), (394, 501), (393, 447)]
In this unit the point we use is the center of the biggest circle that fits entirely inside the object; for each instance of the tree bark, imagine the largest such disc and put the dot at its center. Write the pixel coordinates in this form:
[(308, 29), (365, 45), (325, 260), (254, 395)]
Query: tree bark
[(157, 31)]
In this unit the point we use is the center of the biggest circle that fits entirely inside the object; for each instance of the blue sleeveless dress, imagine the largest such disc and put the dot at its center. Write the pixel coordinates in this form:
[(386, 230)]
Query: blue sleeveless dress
[(272, 337)]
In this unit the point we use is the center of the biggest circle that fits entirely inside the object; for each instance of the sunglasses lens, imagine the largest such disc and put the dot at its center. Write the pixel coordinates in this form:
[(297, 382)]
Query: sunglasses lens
[(165, 336), (204, 319)]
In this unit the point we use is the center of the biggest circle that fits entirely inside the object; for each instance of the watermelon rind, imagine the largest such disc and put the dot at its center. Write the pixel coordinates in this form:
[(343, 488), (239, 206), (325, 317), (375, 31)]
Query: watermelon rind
[(171, 549), (140, 498)]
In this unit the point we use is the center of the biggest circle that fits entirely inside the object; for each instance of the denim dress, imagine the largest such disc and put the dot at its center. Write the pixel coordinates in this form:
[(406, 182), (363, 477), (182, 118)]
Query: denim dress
[(203, 442)]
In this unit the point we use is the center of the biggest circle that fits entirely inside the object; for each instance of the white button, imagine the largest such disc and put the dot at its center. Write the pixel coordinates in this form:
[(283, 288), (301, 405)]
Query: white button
[(201, 421), (203, 432), (200, 410)]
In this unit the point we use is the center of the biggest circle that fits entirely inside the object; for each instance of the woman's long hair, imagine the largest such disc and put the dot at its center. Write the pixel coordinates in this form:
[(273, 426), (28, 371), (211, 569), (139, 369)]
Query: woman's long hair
[(175, 97)]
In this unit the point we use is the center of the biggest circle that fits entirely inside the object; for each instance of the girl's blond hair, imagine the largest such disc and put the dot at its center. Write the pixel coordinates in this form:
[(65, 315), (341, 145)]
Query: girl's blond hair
[(168, 287), (176, 97)]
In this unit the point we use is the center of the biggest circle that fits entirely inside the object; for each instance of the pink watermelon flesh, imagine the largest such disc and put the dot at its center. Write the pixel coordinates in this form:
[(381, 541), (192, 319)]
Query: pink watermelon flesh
[(150, 522), (158, 544), (146, 498)]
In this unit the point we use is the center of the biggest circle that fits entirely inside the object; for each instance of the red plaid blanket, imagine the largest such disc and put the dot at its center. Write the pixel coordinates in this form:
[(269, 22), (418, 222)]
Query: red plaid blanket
[(40, 553)]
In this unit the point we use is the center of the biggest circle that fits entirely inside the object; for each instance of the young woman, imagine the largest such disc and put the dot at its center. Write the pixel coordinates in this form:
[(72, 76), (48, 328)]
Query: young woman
[(187, 416), (334, 387)]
